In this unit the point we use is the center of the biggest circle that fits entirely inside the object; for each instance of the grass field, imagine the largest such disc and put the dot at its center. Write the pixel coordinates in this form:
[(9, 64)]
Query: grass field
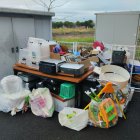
[(74, 34), (80, 35)]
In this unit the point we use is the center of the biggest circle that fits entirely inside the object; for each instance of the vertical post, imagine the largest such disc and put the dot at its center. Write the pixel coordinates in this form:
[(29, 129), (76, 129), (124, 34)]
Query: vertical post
[(73, 47), (78, 95), (135, 46)]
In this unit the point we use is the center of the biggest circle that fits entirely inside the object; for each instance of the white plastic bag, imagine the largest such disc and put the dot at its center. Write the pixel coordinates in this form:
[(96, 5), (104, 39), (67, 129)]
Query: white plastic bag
[(41, 102), (12, 84), (13, 102), (73, 118)]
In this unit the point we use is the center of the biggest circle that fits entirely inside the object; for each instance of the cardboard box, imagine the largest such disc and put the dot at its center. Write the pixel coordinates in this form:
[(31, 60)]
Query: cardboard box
[(86, 63), (60, 103), (94, 59), (55, 56)]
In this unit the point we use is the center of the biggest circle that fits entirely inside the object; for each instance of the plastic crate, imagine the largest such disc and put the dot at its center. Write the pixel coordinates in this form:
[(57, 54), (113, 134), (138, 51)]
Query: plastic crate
[(67, 90)]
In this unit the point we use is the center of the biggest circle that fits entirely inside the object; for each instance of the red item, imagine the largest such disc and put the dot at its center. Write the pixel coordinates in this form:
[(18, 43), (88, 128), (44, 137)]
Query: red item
[(62, 53), (98, 44)]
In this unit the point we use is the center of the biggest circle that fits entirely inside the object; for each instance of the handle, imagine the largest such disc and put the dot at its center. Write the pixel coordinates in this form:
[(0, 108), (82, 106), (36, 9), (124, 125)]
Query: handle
[(13, 50), (17, 49)]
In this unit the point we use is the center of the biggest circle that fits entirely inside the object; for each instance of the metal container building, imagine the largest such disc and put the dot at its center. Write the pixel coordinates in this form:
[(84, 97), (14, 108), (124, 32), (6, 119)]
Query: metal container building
[(16, 25), (118, 27)]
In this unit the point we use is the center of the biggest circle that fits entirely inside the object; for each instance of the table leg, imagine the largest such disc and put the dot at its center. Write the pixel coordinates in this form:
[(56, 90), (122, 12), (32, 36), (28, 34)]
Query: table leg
[(78, 96), (15, 72)]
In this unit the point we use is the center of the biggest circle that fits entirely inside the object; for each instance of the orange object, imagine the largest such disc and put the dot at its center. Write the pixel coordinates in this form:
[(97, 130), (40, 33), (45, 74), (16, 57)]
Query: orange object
[(107, 89), (122, 101), (108, 111)]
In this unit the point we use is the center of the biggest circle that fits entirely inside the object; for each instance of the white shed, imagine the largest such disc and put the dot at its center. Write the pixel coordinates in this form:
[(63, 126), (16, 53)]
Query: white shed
[(118, 27), (16, 26)]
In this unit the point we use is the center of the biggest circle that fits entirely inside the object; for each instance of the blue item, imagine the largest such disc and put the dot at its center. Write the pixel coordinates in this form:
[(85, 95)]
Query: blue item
[(76, 53), (57, 49), (136, 69)]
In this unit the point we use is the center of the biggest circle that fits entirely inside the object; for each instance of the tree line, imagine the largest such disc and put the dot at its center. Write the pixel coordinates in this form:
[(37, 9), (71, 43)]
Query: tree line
[(68, 24)]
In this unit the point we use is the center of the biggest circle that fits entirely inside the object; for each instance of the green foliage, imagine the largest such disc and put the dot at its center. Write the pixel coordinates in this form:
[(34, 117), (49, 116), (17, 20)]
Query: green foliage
[(89, 24), (27, 98), (68, 24), (57, 24), (78, 23)]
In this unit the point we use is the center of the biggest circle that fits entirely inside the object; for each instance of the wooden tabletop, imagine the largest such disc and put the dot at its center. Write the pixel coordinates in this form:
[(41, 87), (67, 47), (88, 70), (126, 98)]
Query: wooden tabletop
[(24, 68)]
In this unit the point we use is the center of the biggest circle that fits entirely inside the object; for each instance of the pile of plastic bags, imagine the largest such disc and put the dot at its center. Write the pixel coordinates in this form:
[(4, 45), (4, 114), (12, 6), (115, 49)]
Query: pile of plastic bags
[(14, 97)]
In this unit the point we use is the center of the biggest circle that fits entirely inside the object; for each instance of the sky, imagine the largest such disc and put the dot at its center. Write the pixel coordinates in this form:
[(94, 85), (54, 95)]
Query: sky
[(76, 10)]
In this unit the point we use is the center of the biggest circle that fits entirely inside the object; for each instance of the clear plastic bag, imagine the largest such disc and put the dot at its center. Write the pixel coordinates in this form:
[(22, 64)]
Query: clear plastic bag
[(12, 102), (12, 84), (103, 114), (73, 118)]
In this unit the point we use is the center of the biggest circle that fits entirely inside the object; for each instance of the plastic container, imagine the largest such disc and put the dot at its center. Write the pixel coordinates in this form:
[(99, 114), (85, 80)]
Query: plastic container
[(67, 90), (60, 103), (39, 51), (76, 53), (24, 56)]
